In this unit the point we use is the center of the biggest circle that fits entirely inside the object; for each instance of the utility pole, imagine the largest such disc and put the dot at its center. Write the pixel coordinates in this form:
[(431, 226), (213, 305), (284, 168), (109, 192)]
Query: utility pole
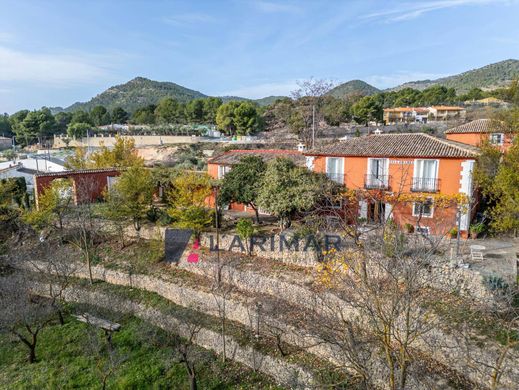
[(217, 222), (313, 126)]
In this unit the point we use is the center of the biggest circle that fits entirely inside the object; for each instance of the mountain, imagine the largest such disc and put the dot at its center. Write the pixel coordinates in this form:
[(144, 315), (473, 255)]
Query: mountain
[(353, 87), (488, 77), (141, 91), (137, 93), (268, 100)]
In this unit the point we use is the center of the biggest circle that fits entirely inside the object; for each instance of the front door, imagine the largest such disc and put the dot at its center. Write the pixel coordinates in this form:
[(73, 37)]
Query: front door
[(376, 212)]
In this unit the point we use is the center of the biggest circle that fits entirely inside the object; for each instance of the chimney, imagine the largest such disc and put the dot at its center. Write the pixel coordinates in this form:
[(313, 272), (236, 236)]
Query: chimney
[(301, 147)]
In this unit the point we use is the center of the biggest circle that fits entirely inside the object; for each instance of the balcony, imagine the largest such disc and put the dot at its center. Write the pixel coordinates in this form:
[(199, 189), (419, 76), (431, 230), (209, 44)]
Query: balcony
[(376, 182), (425, 184)]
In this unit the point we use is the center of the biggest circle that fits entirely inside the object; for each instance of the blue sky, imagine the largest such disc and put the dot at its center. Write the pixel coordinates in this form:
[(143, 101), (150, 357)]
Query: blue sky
[(54, 53)]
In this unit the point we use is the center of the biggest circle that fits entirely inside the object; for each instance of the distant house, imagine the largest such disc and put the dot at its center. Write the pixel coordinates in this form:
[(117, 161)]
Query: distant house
[(422, 114), (410, 163), (479, 130), (88, 185), (445, 113), (28, 167), (219, 165), (405, 115)]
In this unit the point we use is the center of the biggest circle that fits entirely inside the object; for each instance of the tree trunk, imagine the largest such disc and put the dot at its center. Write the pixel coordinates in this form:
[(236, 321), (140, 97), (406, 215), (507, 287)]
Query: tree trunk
[(256, 211), (192, 379), (32, 353), (60, 317)]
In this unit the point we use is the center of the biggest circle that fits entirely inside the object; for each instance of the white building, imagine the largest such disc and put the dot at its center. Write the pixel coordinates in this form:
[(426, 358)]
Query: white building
[(27, 167)]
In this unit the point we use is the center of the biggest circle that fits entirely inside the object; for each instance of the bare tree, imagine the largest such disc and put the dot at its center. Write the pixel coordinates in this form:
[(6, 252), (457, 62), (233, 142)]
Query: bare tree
[(84, 228), (221, 291), (56, 268), (309, 99), (22, 313), (108, 358), (501, 335)]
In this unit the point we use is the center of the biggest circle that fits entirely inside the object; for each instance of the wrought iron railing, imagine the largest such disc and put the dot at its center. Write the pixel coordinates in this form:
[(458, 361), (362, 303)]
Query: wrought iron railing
[(376, 182), (425, 184)]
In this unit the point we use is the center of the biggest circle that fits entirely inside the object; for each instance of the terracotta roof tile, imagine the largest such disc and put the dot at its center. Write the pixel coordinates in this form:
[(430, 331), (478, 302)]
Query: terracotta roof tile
[(78, 171), (477, 126), (234, 156), (398, 145)]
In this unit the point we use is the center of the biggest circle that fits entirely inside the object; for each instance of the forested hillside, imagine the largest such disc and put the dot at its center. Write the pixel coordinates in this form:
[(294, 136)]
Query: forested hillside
[(488, 77), (353, 87)]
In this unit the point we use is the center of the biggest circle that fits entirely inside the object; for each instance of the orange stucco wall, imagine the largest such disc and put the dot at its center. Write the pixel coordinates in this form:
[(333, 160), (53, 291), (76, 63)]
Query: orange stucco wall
[(401, 171), (475, 139), (212, 170)]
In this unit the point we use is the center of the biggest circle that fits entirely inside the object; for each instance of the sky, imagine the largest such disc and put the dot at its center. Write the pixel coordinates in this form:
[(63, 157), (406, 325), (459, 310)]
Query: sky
[(54, 53)]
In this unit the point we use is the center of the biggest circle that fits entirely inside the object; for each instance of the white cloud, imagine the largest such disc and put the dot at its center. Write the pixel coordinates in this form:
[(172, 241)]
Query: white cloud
[(395, 79), (274, 7), (51, 68), (408, 11), (263, 90)]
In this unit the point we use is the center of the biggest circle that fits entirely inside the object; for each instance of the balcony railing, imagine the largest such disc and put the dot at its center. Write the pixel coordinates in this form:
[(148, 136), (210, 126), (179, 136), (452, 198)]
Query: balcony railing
[(425, 184), (376, 182)]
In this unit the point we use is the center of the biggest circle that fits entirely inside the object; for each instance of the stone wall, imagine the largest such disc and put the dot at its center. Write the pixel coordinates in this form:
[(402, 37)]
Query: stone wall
[(437, 343), (288, 374)]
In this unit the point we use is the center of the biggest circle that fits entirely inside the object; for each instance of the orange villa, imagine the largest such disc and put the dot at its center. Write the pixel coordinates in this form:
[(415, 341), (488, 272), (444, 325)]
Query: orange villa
[(218, 166), (412, 163), (479, 130)]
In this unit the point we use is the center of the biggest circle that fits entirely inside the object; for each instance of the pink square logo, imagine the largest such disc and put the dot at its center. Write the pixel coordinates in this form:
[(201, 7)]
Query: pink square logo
[(192, 258)]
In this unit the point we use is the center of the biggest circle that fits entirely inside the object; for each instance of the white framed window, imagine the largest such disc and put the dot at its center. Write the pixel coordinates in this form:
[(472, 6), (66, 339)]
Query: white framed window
[(377, 176), (497, 138), (222, 170), (335, 169), (422, 230), (423, 209), (111, 180), (425, 176)]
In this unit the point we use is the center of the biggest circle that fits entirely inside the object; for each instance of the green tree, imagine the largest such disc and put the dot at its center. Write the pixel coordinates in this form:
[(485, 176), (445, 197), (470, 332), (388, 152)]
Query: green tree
[(498, 177), (5, 126), (78, 129), (336, 111), (53, 204), (62, 121), (15, 121), (225, 117), (123, 154), (81, 117), (245, 230), (211, 106), (168, 111), (144, 115), (119, 115), (187, 197), (132, 195), (243, 182), (35, 124), (369, 108), (100, 116), (195, 111), (246, 119), (287, 189)]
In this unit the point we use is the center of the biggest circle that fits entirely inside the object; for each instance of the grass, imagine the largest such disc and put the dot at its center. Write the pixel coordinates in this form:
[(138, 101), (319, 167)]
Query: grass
[(65, 361)]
